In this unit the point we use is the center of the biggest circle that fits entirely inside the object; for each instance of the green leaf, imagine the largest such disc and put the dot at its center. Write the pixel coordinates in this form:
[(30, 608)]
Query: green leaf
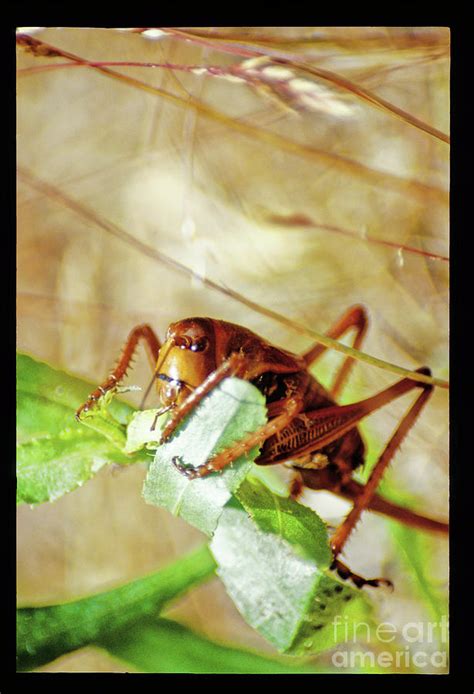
[(51, 466), (335, 610), (162, 645), (55, 453), (284, 517), (144, 429), (224, 416), (44, 633), (47, 397), (272, 555)]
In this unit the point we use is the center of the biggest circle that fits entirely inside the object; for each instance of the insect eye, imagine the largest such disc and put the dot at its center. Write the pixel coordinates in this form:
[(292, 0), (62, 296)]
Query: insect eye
[(183, 342), (200, 345)]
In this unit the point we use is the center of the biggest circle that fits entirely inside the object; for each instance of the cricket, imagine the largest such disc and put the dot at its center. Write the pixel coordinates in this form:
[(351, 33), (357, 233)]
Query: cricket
[(306, 427)]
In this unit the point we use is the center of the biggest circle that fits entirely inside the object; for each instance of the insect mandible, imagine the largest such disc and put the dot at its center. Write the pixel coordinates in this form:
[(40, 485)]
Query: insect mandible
[(306, 427)]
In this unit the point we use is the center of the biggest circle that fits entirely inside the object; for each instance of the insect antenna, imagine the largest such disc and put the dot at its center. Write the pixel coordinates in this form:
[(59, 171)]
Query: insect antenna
[(147, 391), (161, 359)]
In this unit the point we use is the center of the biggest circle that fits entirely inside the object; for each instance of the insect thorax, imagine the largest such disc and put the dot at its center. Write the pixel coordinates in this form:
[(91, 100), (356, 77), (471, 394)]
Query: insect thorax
[(276, 386)]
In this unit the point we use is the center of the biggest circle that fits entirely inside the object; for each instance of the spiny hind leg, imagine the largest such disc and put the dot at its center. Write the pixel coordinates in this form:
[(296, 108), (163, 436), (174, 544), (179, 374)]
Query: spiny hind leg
[(342, 570), (364, 499), (355, 317), (367, 492)]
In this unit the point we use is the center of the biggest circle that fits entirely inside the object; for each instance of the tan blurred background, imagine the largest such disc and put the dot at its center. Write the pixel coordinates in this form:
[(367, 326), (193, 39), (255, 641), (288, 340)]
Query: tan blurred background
[(231, 207)]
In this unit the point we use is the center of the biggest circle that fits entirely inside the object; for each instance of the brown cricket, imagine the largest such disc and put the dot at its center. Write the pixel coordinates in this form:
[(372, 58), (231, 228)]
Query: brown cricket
[(306, 427)]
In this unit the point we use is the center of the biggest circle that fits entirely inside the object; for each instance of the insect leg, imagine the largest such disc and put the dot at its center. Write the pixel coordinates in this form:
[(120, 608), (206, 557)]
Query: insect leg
[(330, 428), (363, 500), (231, 367), (354, 317), (152, 343), (346, 573), (328, 424), (296, 486), (292, 406), (352, 490)]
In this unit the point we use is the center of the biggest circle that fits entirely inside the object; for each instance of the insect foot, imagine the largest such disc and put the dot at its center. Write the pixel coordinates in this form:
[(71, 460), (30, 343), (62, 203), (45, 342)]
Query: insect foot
[(102, 394), (359, 581), (189, 471), (86, 407)]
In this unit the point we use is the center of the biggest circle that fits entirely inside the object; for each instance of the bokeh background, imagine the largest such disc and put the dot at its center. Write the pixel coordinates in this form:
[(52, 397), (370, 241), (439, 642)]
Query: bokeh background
[(255, 169)]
